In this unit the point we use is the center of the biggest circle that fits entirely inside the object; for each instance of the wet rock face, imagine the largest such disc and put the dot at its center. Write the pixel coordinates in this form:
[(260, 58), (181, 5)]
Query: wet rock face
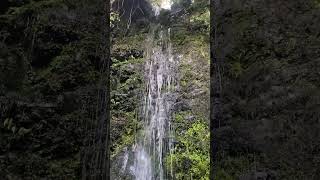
[(120, 165), (160, 76)]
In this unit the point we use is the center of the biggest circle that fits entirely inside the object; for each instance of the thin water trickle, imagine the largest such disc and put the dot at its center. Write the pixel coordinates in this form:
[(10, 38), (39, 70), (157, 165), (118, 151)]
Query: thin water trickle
[(125, 160), (155, 140)]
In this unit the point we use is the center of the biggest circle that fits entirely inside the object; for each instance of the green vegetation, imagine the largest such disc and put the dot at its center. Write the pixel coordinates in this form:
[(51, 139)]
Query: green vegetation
[(270, 92), (190, 157), (128, 135), (49, 68), (190, 38)]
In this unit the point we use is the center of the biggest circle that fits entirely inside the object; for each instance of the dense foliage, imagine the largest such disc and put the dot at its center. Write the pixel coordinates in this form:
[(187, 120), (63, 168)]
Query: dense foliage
[(49, 67), (191, 153), (270, 124)]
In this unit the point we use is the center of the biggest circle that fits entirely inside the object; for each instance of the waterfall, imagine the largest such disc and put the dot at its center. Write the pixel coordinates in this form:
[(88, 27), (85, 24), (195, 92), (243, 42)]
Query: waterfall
[(154, 142), (125, 160), (164, 4)]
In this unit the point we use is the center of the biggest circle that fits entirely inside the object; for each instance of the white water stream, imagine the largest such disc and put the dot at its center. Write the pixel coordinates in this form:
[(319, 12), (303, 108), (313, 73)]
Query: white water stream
[(155, 141), (164, 4)]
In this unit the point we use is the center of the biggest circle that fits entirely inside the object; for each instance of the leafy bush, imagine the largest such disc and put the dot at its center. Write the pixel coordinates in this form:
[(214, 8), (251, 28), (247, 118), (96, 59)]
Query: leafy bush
[(191, 153)]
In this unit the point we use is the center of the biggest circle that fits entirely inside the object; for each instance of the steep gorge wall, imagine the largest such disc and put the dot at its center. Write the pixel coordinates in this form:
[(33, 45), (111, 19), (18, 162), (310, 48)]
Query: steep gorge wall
[(270, 119), (49, 69)]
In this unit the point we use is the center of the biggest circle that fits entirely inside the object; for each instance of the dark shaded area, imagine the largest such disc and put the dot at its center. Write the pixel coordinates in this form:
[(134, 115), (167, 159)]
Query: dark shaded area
[(50, 62), (268, 55)]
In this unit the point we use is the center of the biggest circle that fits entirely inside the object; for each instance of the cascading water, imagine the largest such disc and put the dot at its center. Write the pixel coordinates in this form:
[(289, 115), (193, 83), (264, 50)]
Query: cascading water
[(164, 4), (155, 141)]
